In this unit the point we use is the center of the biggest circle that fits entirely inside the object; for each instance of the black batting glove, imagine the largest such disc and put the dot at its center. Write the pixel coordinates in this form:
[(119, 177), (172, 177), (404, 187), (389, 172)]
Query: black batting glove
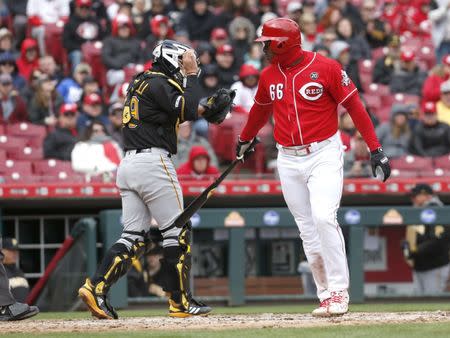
[(241, 148), (379, 161)]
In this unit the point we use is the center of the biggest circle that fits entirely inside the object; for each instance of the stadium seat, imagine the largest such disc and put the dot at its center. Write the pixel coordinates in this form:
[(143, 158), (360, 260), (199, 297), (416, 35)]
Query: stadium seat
[(365, 69), (366, 66), (27, 154), (62, 176), (131, 71), (406, 99), (384, 113), (92, 54), (426, 56), (9, 167), (54, 45), (2, 155), (404, 173), (442, 162), (12, 144), (26, 129), (411, 43), (379, 52), (411, 162), (51, 167), (380, 90), (33, 134), (373, 102), (228, 130), (2, 129)]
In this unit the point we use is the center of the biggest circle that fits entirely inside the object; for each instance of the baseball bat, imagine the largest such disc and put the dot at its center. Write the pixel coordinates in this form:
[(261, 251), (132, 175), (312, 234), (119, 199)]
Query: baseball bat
[(200, 200)]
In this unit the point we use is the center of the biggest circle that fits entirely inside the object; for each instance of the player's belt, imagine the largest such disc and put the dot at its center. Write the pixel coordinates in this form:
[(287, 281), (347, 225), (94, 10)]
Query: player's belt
[(148, 150), (304, 149)]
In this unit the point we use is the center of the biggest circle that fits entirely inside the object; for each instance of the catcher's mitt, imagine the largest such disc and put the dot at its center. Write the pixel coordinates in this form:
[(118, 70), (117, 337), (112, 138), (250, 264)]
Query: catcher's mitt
[(218, 105)]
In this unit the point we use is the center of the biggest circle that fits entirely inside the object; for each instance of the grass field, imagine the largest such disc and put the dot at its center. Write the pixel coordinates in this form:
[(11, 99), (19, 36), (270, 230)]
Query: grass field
[(365, 320)]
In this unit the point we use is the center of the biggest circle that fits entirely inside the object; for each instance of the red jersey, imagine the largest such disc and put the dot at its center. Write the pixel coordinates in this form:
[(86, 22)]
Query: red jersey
[(304, 101), (304, 98)]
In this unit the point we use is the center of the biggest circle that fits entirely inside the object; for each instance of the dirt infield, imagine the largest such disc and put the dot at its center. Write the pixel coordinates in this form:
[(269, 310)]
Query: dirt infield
[(221, 322)]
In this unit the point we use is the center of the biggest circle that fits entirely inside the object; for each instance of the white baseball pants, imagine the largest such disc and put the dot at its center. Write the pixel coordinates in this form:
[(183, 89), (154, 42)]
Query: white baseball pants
[(312, 187)]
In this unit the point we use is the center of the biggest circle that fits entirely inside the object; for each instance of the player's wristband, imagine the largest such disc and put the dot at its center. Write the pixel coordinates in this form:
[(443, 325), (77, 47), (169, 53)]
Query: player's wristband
[(376, 151)]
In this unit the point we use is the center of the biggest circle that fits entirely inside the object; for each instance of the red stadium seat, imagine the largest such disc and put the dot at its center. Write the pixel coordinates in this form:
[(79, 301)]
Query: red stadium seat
[(27, 154), (366, 66), (92, 54), (229, 130), (62, 176), (373, 102), (384, 113), (54, 45), (26, 129), (12, 144), (33, 134), (405, 173), (412, 43), (9, 167), (131, 71), (379, 52), (426, 55), (2, 129), (406, 99), (442, 162), (411, 162), (18, 177), (379, 89), (51, 167)]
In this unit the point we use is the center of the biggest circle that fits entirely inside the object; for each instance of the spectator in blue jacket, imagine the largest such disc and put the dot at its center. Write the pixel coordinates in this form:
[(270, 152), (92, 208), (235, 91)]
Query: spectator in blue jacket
[(8, 66), (71, 87)]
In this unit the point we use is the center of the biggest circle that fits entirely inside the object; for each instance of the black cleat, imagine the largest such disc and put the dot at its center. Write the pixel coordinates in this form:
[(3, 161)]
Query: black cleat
[(195, 308), (17, 311)]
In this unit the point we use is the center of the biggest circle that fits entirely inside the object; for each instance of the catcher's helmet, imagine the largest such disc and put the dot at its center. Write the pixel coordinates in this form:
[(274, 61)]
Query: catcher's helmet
[(167, 55), (281, 34)]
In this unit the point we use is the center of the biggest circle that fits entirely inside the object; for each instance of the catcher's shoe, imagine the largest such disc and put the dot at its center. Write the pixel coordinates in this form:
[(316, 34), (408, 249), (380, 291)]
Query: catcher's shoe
[(196, 308), (97, 304), (322, 310), (338, 303), (17, 311)]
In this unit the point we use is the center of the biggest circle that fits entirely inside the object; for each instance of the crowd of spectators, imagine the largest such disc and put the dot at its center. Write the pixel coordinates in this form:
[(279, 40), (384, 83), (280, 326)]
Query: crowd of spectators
[(79, 102)]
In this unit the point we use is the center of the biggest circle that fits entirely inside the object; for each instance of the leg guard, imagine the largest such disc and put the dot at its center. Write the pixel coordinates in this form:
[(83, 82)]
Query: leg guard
[(116, 263), (176, 268)]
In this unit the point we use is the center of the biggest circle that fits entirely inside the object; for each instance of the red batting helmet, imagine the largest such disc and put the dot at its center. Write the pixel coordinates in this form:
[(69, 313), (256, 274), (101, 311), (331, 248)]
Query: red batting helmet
[(282, 33)]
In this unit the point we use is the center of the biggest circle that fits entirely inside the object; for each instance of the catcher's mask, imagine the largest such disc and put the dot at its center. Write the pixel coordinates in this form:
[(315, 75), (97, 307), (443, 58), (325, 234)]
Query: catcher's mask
[(168, 55)]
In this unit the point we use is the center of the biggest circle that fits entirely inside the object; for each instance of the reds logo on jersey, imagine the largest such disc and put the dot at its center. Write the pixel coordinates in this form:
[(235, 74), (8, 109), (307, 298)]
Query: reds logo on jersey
[(345, 79), (311, 91)]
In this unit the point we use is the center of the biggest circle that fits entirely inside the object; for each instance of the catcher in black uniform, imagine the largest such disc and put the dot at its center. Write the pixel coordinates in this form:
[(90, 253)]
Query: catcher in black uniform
[(158, 100)]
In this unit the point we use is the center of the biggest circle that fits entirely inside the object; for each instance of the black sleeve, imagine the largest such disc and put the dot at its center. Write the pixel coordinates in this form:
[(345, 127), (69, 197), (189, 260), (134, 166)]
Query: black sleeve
[(70, 39), (192, 95), (416, 142), (173, 101), (430, 247), (50, 150)]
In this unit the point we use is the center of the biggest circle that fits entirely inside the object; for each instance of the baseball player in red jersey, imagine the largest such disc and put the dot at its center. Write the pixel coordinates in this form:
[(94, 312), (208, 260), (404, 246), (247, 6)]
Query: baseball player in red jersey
[(303, 89)]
